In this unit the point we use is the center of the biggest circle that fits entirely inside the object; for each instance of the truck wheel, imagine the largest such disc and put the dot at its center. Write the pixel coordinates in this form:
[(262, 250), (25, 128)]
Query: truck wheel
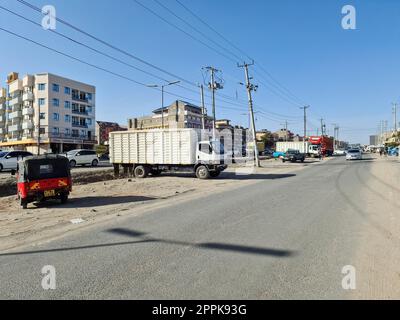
[(141, 172), (215, 174), (202, 172)]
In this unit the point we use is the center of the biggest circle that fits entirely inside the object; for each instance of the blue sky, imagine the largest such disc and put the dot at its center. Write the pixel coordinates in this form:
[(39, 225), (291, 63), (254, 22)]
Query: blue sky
[(349, 77)]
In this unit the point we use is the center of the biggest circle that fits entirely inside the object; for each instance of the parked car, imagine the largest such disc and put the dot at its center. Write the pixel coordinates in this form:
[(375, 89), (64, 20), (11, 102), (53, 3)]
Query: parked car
[(44, 177), (354, 154), (82, 157), (9, 159), (293, 156)]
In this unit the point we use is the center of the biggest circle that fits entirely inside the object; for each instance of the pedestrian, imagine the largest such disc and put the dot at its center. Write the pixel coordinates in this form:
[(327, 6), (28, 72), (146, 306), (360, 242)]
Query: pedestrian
[(381, 152)]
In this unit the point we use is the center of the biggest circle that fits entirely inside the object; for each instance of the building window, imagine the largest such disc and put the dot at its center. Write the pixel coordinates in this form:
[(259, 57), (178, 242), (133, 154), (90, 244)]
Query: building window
[(67, 118), (56, 87), (42, 116), (56, 117), (56, 103), (89, 96), (41, 86), (42, 130), (67, 132), (67, 105), (83, 133), (67, 90), (42, 102), (56, 130), (89, 122), (75, 133), (89, 109)]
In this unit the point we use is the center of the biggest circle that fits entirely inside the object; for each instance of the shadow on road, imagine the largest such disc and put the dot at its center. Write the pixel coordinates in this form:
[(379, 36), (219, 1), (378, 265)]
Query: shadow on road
[(143, 239), (90, 202), (235, 176)]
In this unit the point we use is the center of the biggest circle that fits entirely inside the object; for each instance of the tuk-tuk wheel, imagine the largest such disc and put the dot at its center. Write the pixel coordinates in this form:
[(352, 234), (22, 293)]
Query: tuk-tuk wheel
[(24, 203), (64, 198)]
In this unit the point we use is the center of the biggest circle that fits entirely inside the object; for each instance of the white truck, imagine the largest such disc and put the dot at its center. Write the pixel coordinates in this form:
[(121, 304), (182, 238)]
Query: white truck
[(144, 152), (303, 147)]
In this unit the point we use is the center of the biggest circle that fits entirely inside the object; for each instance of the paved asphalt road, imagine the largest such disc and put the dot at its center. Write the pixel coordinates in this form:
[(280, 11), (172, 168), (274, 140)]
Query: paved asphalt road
[(287, 237)]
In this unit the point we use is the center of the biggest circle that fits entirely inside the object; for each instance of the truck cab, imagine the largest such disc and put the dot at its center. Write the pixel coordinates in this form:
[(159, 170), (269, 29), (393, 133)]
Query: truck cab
[(211, 159)]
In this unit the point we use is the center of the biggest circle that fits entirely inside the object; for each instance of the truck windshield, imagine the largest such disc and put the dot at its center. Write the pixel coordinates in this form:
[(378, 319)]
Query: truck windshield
[(218, 147)]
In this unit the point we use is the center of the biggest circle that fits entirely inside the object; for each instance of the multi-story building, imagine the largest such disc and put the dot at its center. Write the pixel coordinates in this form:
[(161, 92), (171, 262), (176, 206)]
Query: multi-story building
[(103, 130), (58, 110), (179, 114), (3, 97)]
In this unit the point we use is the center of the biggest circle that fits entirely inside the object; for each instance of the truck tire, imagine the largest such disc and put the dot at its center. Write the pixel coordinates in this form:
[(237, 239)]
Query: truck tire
[(202, 172), (64, 198), (141, 172), (23, 203)]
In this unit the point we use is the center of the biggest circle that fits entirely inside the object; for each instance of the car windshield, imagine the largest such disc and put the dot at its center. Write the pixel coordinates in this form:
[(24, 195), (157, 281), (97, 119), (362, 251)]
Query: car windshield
[(2, 154), (353, 151), (71, 153)]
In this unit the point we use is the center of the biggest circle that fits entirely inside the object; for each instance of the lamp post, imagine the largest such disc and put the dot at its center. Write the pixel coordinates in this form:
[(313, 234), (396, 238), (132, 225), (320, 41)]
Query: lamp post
[(162, 96)]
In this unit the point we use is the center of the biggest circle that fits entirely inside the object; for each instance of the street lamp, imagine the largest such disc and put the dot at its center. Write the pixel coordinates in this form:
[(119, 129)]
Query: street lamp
[(162, 96)]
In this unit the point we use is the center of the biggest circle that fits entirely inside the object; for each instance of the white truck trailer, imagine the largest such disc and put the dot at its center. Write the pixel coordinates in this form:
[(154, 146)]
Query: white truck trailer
[(144, 152), (303, 147)]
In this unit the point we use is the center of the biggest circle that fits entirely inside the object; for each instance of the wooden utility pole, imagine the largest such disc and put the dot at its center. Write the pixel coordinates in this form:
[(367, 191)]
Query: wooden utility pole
[(305, 126), (203, 108)]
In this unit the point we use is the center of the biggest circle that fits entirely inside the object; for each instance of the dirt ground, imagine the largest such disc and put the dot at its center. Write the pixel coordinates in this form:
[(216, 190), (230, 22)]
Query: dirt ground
[(377, 262), (99, 201)]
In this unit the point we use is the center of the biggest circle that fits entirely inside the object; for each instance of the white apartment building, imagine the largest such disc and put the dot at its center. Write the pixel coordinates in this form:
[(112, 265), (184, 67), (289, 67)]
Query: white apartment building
[(58, 110), (3, 96)]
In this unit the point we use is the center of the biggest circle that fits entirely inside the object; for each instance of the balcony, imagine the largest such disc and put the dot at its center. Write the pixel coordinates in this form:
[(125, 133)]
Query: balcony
[(15, 101), (15, 115), (15, 128), (85, 113), (79, 99), (27, 125), (28, 96), (27, 111), (79, 125)]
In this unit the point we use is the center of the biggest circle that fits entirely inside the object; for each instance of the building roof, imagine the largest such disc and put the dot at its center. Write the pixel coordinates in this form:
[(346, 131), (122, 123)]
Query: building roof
[(186, 104)]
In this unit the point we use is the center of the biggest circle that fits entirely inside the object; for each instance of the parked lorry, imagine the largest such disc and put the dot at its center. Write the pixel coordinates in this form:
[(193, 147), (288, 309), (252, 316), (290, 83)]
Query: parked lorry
[(323, 143), (302, 146), (145, 152)]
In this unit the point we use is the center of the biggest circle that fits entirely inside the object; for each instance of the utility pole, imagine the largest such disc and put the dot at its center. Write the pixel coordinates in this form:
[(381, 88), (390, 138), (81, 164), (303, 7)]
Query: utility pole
[(305, 126), (213, 86), (285, 126), (322, 127), (395, 116), (203, 108), (250, 87)]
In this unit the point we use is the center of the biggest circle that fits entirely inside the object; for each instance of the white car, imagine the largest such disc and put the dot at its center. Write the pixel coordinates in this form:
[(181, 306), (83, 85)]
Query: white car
[(354, 154), (82, 157), (9, 159)]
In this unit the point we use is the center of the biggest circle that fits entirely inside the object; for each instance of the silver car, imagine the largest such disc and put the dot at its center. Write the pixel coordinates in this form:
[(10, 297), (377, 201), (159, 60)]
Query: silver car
[(354, 154)]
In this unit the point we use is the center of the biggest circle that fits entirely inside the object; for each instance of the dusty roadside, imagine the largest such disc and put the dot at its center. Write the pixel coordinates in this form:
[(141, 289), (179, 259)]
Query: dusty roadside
[(100, 201), (377, 260)]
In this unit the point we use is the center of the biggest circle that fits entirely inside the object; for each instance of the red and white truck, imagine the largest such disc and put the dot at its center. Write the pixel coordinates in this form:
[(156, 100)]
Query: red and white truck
[(321, 144)]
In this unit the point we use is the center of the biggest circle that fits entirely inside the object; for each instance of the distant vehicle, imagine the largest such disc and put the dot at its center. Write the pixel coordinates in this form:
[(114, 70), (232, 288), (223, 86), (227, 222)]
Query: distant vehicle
[(324, 143), (267, 152), (293, 156), (393, 152), (303, 147), (354, 154), (144, 152), (43, 177), (339, 152), (82, 157), (278, 154), (9, 159)]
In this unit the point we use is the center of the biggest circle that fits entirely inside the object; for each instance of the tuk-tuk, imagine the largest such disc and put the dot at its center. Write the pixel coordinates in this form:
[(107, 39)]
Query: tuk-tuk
[(40, 178)]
